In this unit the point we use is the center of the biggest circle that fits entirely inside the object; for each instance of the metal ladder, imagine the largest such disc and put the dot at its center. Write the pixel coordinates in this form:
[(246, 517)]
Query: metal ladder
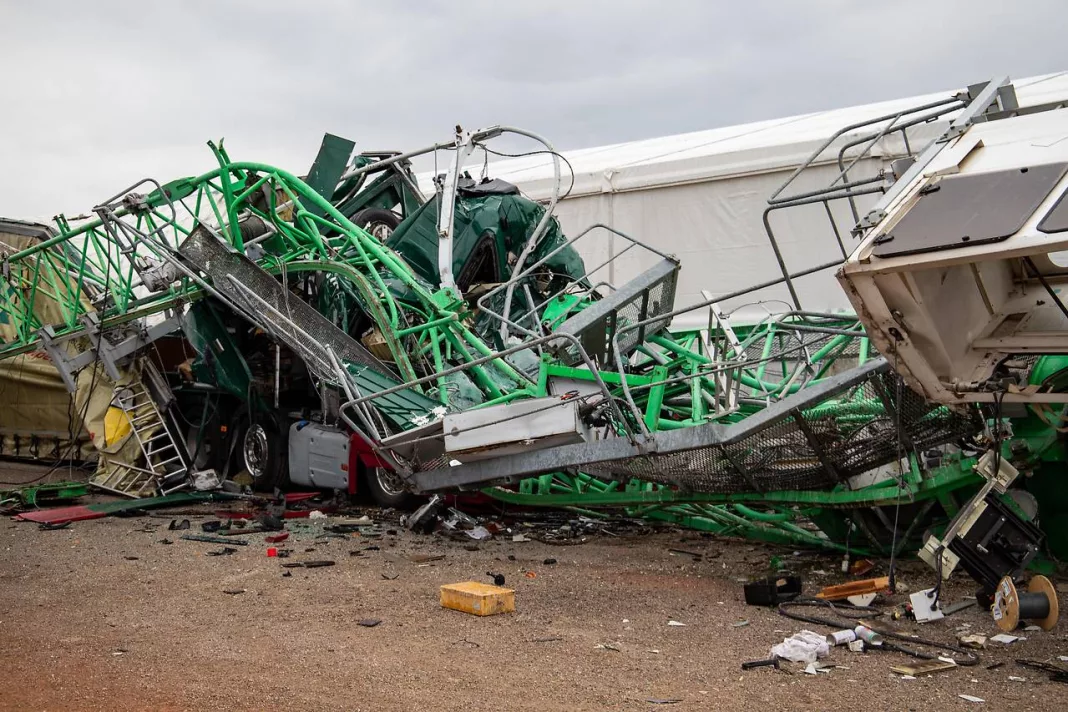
[(165, 468)]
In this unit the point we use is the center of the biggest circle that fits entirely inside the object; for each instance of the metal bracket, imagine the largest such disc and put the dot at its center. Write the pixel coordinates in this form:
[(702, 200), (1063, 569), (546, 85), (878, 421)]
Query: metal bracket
[(989, 94), (55, 351), (465, 144)]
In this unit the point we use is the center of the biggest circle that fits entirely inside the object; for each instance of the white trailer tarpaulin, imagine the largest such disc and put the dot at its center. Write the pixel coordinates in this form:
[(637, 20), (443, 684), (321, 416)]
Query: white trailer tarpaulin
[(701, 196)]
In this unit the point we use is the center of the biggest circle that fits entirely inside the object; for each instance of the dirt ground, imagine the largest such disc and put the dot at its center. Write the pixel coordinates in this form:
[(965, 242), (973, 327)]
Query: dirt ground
[(101, 615)]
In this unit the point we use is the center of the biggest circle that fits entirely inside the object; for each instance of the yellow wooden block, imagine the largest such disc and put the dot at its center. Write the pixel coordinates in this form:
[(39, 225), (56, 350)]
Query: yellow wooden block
[(480, 599)]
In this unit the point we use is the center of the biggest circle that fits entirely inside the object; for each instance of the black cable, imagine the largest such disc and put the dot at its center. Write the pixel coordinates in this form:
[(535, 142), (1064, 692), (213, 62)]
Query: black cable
[(535, 153)]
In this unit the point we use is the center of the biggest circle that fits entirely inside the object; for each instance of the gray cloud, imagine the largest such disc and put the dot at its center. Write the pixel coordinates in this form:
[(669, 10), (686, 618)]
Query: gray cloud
[(99, 95)]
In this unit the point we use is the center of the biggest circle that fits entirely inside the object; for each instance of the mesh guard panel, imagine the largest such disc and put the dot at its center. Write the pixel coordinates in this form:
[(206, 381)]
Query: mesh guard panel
[(850, 434)]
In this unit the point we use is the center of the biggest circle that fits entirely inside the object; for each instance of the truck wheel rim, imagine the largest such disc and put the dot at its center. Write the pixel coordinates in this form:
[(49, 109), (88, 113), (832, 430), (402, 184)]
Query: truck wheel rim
[(256, 450), (389, 482)]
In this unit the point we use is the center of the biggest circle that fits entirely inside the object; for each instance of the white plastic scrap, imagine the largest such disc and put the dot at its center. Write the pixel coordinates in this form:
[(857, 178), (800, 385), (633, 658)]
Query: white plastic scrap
[(863, 599), (803, 647), (205, 480), (1006, 639), (316, 514), (971, 698), (675, 623)]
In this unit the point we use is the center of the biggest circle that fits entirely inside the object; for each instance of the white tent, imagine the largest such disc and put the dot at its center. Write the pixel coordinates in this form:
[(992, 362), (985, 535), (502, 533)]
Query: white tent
[(701, 196)]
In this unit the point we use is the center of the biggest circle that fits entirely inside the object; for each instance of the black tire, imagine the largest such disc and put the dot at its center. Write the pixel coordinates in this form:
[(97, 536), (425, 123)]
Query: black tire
[(261, 451), (384, 489), (378, 222)]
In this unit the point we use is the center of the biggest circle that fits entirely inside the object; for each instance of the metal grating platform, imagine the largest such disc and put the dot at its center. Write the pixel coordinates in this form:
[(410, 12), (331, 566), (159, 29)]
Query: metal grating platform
[(814, 439), (298, 325), (647, 296)]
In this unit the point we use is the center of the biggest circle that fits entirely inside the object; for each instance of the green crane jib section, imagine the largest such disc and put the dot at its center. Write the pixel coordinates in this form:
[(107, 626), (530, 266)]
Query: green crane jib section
[(127, 264)]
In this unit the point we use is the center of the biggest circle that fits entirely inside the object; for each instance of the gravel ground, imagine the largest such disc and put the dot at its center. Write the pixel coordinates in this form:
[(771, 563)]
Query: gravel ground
[(102, 616)]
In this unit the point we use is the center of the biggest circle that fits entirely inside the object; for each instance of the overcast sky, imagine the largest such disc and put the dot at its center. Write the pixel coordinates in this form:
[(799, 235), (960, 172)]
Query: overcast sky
[(100, 94)]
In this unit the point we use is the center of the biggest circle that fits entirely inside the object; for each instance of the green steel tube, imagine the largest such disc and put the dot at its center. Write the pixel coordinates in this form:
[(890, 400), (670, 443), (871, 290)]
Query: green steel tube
[(428, 325)]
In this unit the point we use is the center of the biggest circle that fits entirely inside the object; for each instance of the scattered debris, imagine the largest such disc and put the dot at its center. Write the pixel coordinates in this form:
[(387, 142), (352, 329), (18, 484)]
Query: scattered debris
[(770, 662), (422, 519), (925, 606), (739, 624), (772, 591), (971, 698), (498, 579), (958, 606), (816, 668), (272, 523), (53, 526), (368, 622), (308, 564), (276, 538), (317, 514), (423, 558), (390, 577), (1006, 639), (233, 591), (549, 562), (842, 637), (519, 538), (209, 539), (655, 701), (225, 551), (867, 635), (167, 542), (692, 554), (210, 526), (675, 624), (1055, 672), (176, 525), (854, 588), (861, 567), (855, 646), (478, 533), (545, 640), (927, 667), (974, 640), (803, 647), (862, 600), (615, 647)]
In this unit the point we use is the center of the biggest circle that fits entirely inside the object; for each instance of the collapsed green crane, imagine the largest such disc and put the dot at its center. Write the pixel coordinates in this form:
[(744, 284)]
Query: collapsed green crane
[(472, 348)]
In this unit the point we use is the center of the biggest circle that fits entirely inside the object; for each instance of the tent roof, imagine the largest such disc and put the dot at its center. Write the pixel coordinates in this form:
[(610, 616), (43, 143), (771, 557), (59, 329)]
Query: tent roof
[(727, 151)]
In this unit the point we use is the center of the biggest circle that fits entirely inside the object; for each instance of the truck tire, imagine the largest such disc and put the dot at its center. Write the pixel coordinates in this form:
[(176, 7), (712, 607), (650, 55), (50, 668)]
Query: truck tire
[(378, 222), (261, 451), (385, 489)]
